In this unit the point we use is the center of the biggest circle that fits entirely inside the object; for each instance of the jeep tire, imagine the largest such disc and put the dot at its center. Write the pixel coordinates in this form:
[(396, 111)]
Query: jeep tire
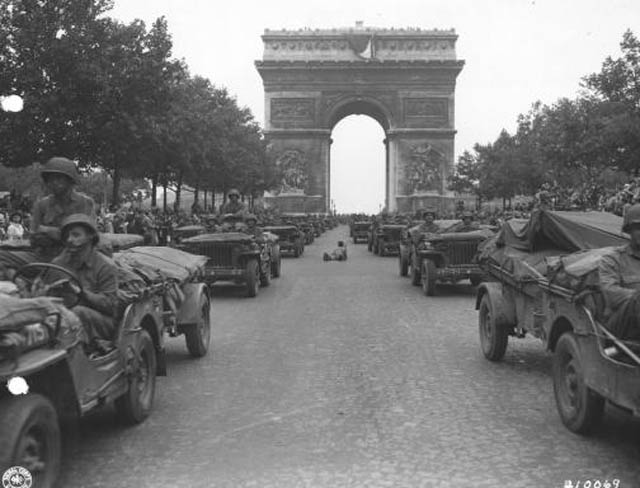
[(198, 336), (135, 405), (252, 277), (429, 276), (580, 408), (494, 334), (30, 437)]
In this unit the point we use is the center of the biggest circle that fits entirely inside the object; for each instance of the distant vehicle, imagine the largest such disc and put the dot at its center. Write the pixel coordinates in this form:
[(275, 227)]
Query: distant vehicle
[(359, 230), (290, 238), (387, 240), (237, 257)]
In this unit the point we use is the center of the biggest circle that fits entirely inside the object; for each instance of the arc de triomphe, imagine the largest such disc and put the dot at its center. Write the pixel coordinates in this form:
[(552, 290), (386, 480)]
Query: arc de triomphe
[(403, 78)]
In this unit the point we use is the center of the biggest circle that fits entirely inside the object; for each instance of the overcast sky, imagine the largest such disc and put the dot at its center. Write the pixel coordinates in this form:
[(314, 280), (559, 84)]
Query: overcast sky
[(516, 52)]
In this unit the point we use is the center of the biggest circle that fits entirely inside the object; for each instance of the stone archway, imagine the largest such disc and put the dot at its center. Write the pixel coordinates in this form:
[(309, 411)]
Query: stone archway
[(404, 79)]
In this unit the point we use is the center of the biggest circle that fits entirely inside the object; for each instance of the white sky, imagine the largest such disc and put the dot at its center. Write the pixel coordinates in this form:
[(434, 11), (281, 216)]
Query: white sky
[(516, 52)]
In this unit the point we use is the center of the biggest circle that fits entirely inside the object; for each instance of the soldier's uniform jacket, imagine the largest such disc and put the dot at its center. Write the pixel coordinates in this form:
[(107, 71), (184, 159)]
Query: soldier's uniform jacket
[(50, 212), (233, 207), (461, 227), (97, 275), (619, 276)]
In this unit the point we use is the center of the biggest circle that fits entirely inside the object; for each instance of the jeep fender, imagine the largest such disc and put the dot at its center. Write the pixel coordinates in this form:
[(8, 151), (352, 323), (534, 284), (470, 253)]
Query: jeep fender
[(502, 309), (189, 312)]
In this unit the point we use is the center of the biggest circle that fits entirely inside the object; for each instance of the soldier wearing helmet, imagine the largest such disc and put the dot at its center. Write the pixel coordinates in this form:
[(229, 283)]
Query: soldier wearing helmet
[(234, 205), (467, 224), (96, 274), (251, 223), (619, 272), (60, 176), (429, 225)]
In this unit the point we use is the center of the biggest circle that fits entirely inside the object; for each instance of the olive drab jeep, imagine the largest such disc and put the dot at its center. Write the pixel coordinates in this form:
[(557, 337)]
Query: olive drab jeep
[(49, 376), (290, 238), (237, 257), (359, 230), (387, 239)]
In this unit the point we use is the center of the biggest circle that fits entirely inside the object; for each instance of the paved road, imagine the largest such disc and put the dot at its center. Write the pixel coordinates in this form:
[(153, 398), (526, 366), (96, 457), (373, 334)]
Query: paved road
[(343, 374)]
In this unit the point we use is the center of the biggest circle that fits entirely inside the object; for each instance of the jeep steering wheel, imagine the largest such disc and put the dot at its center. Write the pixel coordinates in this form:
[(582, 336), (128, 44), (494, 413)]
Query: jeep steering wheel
[(38, 278)]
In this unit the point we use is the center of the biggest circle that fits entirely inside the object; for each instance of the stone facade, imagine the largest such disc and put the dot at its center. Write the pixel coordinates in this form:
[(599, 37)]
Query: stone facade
[(403, 78)]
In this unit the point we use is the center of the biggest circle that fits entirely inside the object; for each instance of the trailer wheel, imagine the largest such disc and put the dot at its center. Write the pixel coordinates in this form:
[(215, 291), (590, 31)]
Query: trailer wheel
[(30, 437), (429, 275), (136, 404), (198, 336), (494, 334), (580, 408)]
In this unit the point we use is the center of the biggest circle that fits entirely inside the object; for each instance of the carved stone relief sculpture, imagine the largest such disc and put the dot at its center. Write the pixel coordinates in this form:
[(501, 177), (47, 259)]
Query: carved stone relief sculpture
[(292, 109), (292, 169), (424, 169)]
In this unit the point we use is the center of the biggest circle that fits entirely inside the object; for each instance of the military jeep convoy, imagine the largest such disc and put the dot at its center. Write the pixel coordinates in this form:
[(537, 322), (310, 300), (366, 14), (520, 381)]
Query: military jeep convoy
[(52, 372)]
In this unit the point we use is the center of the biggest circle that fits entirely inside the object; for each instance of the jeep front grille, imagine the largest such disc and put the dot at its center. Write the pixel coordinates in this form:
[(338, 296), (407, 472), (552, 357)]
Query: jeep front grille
[(462, 252), (219, 254)]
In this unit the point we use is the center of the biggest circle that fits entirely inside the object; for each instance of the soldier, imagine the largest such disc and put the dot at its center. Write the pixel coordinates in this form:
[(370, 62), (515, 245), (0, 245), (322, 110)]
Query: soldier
[(96, 274), (60, 176), (251, 223), (619, 273), (338, 254), (234, 205), (467, 224), (429, 226), (232, 223)]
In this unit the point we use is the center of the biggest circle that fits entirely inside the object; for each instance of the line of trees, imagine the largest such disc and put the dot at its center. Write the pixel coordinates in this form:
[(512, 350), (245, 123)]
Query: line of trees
[(111, 96), (574, 143)]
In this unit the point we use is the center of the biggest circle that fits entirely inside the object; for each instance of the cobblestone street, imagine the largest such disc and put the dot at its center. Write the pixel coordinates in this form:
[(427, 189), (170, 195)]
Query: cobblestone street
[(345, 375)]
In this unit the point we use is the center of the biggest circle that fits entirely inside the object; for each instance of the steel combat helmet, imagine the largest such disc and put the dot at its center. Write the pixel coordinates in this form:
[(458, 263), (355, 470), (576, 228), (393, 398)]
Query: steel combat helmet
[(62, 166), (79, 219)]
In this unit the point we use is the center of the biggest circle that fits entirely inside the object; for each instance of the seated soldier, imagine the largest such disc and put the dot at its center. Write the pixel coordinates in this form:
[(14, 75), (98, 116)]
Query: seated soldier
[(620, 281), (95, 272), (338, 254), (251, 226), (232, 223), (429, 225), (467, 224)]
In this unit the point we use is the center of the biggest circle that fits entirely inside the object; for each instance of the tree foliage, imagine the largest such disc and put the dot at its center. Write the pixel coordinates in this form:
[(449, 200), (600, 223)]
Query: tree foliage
[(571, 143), (110, 95)]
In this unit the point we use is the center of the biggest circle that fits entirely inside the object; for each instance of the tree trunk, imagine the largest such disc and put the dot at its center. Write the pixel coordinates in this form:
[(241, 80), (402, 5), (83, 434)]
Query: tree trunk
[(205, 199), (196, 194), (154, 191), (164, 196), (115, 195), (176, 203)]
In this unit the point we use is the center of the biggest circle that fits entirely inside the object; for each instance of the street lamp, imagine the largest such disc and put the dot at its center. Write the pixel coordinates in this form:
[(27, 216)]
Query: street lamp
[(11, 103)]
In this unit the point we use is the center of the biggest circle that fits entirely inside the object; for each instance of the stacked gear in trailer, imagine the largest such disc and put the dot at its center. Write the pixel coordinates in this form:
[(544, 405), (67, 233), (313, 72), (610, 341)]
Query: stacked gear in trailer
[(176, 277)]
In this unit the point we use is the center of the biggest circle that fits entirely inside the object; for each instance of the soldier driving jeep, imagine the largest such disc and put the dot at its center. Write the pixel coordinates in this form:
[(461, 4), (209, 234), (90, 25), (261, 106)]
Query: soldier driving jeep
[(96, 274)]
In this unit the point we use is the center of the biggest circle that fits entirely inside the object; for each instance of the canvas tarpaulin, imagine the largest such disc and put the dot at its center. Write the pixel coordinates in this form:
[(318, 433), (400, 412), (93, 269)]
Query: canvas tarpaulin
[(157, 263), (557, 245)]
